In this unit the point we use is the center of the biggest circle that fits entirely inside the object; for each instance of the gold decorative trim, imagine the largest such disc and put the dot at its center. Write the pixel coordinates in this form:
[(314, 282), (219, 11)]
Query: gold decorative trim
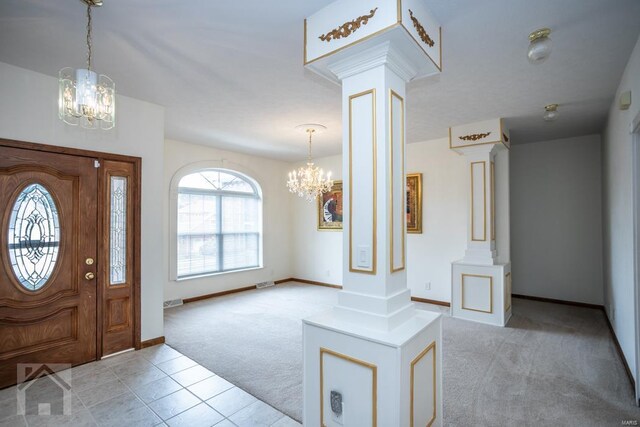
[(490, 293), (484, 208), (348, 28), (493, 200), (393, 94), (390, 27), (474, 136), (374, 382), (414, 362), (507, 291), (374, 251), (421, 31)]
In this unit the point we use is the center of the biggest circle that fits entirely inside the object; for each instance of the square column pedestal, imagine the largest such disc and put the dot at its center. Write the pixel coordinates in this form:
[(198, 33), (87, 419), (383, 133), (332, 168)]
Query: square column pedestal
[(384, 378), (481, 293)]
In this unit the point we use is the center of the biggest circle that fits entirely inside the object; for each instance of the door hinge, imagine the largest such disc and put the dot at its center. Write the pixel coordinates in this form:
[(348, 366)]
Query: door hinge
[(96, 163)]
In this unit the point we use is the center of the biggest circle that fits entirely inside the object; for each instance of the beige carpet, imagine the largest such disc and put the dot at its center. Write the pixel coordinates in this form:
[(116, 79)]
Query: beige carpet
[(553, 365)]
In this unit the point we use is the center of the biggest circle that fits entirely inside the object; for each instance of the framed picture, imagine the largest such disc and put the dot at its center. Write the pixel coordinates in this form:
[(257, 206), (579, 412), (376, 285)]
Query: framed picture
[(414, 203), (330, 209)]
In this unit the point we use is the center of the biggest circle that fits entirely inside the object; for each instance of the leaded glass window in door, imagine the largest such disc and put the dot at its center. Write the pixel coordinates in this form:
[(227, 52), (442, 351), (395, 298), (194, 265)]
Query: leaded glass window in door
[(118, 231), (33, 236)]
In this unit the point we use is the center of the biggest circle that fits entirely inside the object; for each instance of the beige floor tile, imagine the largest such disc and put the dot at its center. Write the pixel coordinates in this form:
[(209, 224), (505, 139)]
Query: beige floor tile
[(156, 389), (115, 409), (80, 418), (14, 421), (192, 375), (210, 387), (231, 401), (255, 415), (98, 394), (286, 422), (159, 353), (199, 416), (176, 365), (173, 404), (92, 380)]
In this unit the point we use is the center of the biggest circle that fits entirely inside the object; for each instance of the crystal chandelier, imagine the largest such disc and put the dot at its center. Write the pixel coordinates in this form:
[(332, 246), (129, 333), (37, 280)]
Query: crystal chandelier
[(309, 182), (85, 97)]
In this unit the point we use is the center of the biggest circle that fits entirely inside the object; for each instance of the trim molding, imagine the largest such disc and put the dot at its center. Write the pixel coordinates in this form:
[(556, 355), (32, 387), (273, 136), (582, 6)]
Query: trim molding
[(350, 359), (313, 282), (606, 317), (218, 294), (559, 301), (414, 362), (152, 342), (431, 301)]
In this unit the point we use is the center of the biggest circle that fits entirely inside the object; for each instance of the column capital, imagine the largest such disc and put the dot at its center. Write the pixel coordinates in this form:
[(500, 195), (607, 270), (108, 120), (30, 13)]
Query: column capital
[(384, 53)]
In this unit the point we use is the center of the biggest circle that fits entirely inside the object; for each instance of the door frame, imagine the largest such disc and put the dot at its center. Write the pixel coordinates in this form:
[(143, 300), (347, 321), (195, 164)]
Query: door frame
[(635, 141), (137, 241)]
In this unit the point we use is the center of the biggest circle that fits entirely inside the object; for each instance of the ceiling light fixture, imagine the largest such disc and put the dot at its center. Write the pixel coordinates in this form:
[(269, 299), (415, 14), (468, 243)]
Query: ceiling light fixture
[(85, 97), (550, 112), (309, 182), (540, 46)]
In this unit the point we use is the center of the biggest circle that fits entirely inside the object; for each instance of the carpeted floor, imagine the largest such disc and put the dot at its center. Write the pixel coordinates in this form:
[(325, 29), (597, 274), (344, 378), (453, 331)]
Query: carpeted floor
[(553, 365)]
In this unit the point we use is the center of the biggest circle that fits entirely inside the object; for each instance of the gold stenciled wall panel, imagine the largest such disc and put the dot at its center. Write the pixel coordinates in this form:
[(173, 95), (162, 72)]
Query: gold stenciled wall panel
[(362, 183), (397, 217)]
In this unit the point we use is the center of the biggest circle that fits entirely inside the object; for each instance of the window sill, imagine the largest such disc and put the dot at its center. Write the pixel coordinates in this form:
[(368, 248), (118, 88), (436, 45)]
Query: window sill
[(217, 273)]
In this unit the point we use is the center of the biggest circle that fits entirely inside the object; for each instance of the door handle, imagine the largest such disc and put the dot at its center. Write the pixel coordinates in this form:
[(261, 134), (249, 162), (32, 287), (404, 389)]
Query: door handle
[(89, 276)]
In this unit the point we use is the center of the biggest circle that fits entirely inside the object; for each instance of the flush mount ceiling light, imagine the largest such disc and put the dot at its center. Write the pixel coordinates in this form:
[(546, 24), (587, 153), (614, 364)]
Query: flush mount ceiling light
[(540, 46), (86, 98), (309, 181), (550, 112)]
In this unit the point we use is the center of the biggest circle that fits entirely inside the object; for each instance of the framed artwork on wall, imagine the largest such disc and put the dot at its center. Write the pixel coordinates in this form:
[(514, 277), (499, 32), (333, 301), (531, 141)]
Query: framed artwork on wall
[(414, 203), (330, 209)]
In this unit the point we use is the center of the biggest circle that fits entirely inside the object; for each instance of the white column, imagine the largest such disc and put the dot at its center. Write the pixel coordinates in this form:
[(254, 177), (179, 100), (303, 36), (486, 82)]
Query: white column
[(481, 281), (373, 360), (374, 269)]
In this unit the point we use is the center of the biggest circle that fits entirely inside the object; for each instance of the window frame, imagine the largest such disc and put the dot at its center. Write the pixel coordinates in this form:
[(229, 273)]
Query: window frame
[(220, 194)]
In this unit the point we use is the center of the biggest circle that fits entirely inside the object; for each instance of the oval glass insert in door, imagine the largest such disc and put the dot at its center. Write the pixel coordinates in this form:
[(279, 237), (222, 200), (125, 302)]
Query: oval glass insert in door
[(33, 237)]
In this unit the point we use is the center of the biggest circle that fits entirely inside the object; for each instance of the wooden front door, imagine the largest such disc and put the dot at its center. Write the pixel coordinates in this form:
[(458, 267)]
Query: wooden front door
[(48, 251)]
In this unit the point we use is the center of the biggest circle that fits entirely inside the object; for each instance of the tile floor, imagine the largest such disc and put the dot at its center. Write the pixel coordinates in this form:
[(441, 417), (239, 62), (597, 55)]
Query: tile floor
[(153, 386)]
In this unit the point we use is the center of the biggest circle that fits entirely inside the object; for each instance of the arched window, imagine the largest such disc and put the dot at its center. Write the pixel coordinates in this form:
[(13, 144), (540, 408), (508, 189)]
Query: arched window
[(218, 223)]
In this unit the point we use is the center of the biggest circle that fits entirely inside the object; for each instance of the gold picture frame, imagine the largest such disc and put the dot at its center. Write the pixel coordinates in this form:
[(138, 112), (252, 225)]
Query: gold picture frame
[(414, 203), (330, 209)]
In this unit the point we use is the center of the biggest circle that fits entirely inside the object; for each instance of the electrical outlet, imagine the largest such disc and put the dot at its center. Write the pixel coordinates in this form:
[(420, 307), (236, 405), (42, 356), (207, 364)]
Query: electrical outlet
[(427, 286)]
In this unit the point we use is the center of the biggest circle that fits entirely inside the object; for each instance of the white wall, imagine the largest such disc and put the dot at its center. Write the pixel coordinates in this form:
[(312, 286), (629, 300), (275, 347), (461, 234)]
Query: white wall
[(556, 219), (317, 255), (618, 212), (29, 112), (277, 217)]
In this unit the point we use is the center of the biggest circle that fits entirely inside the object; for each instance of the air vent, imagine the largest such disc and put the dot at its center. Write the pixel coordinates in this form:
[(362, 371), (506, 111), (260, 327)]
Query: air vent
[(265, 284), (172, 303)]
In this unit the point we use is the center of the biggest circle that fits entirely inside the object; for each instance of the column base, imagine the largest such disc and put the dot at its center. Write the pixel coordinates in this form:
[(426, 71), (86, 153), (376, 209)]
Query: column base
[(481, 293), (369, 377)]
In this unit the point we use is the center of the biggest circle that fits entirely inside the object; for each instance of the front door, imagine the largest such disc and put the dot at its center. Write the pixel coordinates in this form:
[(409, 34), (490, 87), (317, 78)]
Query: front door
[(48, 237)]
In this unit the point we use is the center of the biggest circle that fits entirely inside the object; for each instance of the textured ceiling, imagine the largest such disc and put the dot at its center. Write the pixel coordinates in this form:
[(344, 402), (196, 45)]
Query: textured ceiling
[(230, 74)]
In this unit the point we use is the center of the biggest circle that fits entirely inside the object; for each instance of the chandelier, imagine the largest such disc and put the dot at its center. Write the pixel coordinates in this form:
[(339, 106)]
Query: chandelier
[(309, 182), (85, 97)]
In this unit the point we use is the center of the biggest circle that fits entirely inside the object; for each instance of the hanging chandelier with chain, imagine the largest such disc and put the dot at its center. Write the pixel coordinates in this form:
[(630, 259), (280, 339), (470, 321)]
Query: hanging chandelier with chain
[(85, 97), (309, 182)]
